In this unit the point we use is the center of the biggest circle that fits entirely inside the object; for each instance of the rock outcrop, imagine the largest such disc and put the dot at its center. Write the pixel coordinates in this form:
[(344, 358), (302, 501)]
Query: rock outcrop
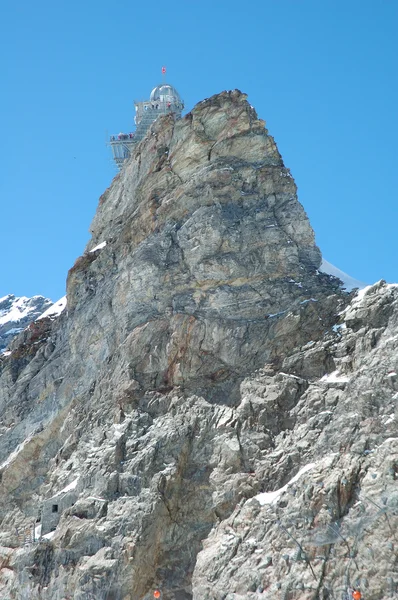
[(329, 524), (151, 431), (206, 246)]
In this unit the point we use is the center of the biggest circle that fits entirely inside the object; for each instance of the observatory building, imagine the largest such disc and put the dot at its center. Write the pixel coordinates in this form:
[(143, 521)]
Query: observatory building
[(164, 99)]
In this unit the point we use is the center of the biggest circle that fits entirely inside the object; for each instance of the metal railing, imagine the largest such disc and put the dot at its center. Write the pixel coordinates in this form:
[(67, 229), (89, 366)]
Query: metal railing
[(122, 137), (146, 114), (159, 104)]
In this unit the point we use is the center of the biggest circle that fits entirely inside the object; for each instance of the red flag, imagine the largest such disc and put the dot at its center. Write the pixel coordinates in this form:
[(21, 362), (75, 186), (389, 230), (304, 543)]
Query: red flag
[(163, 70)]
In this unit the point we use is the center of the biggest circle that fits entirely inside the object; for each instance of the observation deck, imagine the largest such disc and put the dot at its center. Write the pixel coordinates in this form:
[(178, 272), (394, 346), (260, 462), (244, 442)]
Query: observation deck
[(163, 99)]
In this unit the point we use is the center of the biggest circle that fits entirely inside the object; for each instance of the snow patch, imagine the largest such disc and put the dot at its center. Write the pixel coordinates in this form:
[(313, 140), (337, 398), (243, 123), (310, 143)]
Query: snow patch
[(271, 497), (361, 295), (37, 531), (55, 310), (335, 378), (99, 247), (390, 419), (71, 486), (387, 441), (289, 375), (349, 283), (15, 453)]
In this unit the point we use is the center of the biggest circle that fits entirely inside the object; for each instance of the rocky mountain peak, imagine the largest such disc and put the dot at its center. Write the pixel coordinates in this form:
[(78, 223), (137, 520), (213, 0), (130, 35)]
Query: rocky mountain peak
[(212, 417), (206, 246)]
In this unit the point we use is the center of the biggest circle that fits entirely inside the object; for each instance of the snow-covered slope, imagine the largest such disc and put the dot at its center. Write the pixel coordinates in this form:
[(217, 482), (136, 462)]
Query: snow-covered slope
[(55, 309), (17, 313), (349, 282)]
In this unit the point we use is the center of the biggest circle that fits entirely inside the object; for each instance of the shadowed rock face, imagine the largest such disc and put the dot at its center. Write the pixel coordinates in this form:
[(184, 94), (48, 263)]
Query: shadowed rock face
[(186, 378)]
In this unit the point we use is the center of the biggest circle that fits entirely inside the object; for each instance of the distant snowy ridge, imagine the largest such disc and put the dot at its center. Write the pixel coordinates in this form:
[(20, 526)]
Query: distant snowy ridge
[(349, 282), (18, 313), (16, 309)]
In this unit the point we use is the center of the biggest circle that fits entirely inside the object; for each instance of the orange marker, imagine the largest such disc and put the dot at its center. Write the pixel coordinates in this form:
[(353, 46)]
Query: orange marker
[(356, 594), (156, 594)]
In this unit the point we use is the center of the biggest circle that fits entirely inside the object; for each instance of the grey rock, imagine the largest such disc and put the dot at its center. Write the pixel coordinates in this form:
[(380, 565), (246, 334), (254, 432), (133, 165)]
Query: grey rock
[(202, 363)]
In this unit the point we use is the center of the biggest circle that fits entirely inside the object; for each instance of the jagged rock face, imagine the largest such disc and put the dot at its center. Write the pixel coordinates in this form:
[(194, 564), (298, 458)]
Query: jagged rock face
[(17, 313), (334, 527), (187, 379), (206, 244)]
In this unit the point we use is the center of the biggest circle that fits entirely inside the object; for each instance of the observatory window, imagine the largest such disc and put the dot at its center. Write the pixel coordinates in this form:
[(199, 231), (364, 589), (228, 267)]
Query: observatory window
[(55, 508)]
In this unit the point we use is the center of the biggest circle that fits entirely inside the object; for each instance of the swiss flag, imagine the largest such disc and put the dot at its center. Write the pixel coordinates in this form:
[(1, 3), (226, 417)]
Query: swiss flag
[(163, 70)]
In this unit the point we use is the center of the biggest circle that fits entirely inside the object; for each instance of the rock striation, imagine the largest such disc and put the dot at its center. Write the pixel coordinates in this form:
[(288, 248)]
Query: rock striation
[(212, 416)]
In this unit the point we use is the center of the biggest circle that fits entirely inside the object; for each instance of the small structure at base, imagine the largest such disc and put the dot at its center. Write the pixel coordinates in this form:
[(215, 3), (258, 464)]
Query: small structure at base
[(164, 99), (53, 508)]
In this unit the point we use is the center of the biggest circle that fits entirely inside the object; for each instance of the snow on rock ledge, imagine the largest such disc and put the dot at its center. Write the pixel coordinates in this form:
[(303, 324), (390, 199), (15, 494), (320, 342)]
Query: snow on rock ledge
[(55, 310)]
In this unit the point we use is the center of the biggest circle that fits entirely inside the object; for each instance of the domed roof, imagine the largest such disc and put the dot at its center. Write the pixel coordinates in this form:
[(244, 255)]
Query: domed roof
[(165, 93)]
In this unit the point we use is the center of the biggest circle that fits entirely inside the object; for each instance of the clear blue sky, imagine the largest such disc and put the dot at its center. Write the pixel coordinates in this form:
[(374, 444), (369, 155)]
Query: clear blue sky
[(322, 73)]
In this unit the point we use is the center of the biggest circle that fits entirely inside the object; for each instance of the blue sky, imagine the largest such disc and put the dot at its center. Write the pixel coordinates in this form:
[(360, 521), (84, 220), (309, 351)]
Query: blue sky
[(322, 73)]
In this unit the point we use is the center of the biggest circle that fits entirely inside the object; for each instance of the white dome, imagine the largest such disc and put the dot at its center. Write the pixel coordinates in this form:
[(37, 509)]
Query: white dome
[(165, 93)]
